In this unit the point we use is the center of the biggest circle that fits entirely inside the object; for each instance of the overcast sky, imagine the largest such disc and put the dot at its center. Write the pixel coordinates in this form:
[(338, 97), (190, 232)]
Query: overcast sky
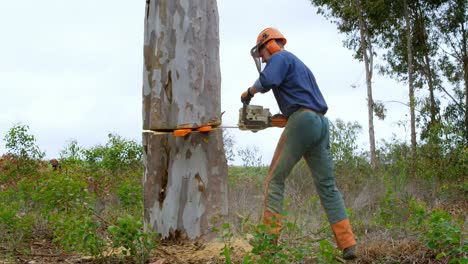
[(73, 69)]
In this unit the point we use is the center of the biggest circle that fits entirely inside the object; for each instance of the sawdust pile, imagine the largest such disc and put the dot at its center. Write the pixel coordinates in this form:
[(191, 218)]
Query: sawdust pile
[(198, 253)]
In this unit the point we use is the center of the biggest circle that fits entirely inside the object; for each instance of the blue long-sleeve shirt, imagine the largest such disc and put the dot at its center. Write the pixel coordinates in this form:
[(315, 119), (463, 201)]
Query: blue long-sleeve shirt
[(292, 82)]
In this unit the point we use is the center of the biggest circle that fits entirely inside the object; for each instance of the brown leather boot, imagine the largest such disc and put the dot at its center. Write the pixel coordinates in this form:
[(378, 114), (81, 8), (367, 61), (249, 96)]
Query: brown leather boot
[(345, 238), (272, 222)]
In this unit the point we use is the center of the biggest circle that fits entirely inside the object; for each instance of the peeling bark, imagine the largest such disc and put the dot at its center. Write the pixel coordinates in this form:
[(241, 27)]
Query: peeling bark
[(185, 179), (185, 187), (181, 76)]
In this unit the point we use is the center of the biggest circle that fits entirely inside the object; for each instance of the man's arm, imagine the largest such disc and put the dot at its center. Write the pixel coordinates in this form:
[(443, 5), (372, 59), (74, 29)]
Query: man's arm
[(247, 95)]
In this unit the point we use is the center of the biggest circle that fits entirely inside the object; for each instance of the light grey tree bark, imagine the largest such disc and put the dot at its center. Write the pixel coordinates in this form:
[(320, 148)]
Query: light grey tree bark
[(185, 178), (412, 100), (185, 184), (368, 63), (181, 76)]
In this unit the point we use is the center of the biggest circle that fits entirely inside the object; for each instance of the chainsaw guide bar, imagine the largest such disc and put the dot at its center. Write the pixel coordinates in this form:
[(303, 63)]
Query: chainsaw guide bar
[(251, 117)]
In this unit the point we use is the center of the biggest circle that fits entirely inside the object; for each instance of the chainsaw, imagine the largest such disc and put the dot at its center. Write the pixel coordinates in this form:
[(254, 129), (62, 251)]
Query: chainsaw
[(251, 117), (255, 118)]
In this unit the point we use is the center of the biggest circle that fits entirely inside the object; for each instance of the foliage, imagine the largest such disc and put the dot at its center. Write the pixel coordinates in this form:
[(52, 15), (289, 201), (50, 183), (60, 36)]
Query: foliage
[(265, 246), (37, 202), (343, 138), (250, 156), (15, 224), (327, 252), (227, 236), (344, 148), (69, 207), (434, 227), (396, 212), (445, 237), (228, 143), (78, 233), (62, 193), (22, 144), (129, 234), (72, 154), (115, 155), (130, 193)]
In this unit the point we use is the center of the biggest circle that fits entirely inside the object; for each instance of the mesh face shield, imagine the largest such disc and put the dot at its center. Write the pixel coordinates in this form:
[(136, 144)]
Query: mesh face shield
[(255, 53)]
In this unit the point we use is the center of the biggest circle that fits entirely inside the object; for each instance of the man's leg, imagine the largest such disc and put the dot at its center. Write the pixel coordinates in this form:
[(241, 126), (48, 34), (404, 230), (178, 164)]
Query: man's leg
[(320, 162), (302, 131)]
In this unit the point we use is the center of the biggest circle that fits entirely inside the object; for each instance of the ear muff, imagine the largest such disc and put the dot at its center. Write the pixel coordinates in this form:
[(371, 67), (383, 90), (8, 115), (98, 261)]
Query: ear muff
[(272, 46)]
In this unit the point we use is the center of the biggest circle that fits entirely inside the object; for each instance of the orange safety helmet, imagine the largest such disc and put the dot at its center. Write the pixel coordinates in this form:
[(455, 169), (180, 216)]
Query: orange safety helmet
[(264, 39)]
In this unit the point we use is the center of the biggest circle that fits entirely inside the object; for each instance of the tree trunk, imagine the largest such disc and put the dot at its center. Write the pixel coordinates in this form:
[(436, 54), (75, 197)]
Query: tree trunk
[(465, 67), (427, 71), (465, 71), (433, 107), (185, 178), (181, 77), (368, 65), (185, 184), (411, 91)]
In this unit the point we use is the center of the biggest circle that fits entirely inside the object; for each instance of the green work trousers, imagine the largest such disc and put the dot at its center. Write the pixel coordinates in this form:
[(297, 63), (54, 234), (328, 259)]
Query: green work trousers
[(306, 135)]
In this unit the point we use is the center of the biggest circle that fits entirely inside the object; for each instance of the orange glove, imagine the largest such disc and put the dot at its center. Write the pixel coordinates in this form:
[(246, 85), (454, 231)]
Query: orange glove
[(246, 96)]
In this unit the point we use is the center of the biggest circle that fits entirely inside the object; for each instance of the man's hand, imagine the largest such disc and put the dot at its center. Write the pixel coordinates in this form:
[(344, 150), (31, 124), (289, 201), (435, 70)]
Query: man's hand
[(246, 97)]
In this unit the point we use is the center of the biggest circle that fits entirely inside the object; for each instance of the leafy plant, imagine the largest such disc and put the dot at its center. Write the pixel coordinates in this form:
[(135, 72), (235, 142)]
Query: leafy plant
[(226, 236), (72, 154), (117, 154), (78, 233), (327, 252), (15, 224), (130, 193), (22, 146), (445, 237), (129, 234), (62, 193), (250, 156), (269, 249)]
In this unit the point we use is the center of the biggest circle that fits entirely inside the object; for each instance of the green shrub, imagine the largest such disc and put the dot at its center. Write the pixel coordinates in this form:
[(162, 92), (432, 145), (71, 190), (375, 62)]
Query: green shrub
[(71, 155), (267, 248), (59, 192), (400, 213), (226, 237), (22, 146), (129, 234), (327, 252), (130, 193), (444, 237), (15, 224), (117, 155), (78, 232)]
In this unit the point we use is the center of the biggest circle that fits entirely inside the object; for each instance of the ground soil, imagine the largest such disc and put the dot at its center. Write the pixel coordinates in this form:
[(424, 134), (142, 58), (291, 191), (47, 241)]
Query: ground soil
[(378, 250)]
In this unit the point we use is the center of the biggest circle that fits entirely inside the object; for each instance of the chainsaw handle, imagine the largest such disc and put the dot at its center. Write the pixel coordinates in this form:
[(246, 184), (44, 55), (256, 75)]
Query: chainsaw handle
[(278, 121)]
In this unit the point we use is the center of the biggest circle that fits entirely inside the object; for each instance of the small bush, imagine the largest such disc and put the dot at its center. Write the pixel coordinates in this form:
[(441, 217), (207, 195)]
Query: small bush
[(129, 234), (444, 237), (22, 146), (79, 233), (59, 192)]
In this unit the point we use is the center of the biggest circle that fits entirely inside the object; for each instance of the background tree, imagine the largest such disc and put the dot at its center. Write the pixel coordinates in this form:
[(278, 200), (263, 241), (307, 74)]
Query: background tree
[(352, 19), (22, 146), (451, 21)]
